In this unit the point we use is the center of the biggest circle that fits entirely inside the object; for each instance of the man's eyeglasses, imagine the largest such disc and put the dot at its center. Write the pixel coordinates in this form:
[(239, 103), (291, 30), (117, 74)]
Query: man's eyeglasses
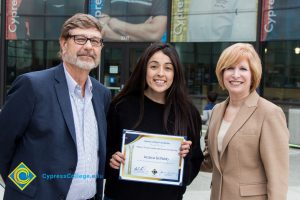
[(82, 40)]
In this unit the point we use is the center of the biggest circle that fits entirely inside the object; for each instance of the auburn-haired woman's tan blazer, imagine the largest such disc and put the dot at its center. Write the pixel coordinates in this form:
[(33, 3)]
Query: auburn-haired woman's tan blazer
[(254, 161)]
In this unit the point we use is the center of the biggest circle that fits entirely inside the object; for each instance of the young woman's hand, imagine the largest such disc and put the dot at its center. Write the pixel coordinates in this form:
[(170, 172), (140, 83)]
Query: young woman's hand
[(185, 148), (116, 160)]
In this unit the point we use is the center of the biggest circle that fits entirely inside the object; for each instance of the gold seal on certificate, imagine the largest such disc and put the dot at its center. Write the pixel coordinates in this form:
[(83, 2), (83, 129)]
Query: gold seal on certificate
[(152, 158)]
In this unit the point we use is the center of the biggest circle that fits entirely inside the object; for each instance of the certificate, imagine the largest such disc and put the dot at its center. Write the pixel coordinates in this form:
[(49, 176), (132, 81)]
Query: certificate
[(151, 158)]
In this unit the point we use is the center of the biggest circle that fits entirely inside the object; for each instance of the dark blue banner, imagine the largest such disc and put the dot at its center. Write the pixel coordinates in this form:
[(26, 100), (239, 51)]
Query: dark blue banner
[(280, 20)]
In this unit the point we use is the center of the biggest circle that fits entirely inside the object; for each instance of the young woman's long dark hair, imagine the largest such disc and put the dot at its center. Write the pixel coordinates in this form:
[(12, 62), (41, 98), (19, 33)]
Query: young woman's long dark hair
[(177, 99)]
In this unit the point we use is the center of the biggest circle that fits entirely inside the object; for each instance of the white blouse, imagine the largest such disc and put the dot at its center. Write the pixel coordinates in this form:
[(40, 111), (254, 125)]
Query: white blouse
[(222, 132)]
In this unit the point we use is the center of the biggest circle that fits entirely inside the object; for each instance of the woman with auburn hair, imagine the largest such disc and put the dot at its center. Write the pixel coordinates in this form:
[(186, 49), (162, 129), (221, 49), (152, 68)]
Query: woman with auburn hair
[(153, 100), (247, 138)]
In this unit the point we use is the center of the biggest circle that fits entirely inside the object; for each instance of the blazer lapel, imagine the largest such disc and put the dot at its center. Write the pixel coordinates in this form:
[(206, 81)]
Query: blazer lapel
[(214, 126), (63, 97), (242, 116), (98, 105)]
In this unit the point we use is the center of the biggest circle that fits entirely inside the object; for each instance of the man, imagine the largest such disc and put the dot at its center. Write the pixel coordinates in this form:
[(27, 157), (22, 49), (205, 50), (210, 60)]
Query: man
[(54, 121)]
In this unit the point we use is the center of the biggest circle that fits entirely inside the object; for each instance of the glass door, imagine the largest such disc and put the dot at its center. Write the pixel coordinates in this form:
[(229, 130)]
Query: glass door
[(111, 69), (118, 62)]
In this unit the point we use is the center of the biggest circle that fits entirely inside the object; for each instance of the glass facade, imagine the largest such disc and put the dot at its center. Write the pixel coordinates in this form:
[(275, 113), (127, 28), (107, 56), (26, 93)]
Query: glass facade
[(278, 20), (32, 32), (2, 49), (29, 55), (39, 19), (132, 21), (281, 82), (213, 21), (199, 33), (0, 17), (118, 61)]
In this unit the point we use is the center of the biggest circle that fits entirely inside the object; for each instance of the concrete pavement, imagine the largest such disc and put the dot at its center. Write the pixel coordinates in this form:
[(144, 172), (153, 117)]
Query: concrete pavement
[(199, 189)]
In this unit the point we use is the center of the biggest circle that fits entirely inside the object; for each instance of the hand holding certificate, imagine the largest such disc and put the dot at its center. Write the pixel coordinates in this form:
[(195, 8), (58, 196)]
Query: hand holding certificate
[(152, 158)]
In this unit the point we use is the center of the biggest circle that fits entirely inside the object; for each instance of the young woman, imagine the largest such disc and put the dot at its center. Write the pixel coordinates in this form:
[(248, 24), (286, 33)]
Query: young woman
[(153, 100)]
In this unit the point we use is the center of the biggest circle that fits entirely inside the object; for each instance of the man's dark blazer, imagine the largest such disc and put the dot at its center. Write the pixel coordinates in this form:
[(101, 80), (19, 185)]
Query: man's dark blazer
[(37, 128)]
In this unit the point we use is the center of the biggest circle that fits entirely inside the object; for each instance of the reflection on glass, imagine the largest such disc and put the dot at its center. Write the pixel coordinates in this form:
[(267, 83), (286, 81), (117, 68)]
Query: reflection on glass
[(0, 20), (282, 79), (132, 20), (282, 64), (39, 19), (199, 61), (278, 20), (27, 55), (282, 73), (112, 69), (214, 20), (134, 54), (51, 53)]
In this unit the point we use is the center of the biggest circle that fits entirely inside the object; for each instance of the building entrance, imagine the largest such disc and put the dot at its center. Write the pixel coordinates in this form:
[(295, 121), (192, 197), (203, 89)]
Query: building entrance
[(118, 61)]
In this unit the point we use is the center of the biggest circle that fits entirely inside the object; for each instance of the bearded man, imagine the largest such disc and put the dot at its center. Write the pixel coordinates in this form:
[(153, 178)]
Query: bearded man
[(53, 123)]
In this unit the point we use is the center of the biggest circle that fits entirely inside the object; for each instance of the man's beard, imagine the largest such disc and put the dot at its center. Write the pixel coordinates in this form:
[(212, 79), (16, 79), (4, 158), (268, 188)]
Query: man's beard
[(82, 64)]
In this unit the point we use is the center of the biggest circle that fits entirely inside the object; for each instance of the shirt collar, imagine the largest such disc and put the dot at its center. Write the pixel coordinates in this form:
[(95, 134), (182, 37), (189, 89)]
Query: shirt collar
[(89, 86), (72, 84)]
